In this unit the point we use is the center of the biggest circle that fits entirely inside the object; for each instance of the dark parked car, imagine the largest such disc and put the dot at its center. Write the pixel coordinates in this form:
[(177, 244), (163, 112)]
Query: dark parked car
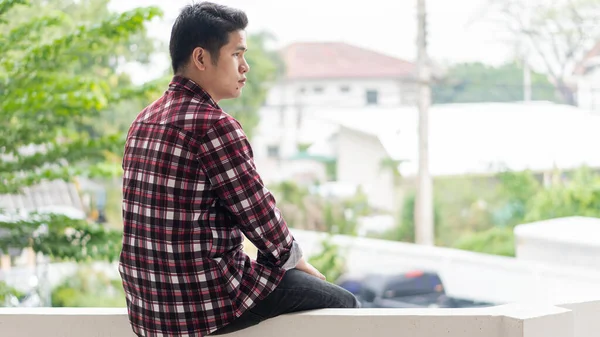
[(413, 289)]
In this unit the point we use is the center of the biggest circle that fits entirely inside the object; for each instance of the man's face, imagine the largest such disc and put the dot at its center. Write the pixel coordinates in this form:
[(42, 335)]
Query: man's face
[(227, 78)]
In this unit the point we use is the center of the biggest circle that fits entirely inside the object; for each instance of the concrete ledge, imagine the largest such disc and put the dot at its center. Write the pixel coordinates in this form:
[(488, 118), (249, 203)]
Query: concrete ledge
[(514, 320), (587, 317)]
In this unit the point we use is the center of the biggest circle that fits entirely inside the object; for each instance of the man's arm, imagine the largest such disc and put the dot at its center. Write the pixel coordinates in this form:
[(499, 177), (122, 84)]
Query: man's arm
[(226, 157)]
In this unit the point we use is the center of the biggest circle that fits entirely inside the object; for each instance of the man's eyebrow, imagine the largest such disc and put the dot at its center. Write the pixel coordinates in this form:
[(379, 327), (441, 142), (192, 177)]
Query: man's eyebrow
[(241, 48)]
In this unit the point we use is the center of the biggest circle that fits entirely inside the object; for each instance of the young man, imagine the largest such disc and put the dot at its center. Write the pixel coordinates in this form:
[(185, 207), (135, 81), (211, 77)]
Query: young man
[(190, 190)]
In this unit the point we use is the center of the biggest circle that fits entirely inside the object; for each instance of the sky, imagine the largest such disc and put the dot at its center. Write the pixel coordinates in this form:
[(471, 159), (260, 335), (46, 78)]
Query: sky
[(458, 31)]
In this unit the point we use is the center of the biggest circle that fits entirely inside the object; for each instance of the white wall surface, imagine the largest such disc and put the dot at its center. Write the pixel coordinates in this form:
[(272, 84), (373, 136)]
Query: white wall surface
[(505, 321), (588, 90), (465, 274), (359, 163)]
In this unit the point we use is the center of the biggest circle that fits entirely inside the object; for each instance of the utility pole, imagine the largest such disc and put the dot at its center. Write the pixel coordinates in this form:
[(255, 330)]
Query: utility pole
[(526, 79), (424, 233), (526, 52)]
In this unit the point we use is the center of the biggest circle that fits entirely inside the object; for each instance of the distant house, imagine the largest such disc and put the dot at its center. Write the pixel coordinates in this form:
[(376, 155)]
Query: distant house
[(322, 75), (587, 73)]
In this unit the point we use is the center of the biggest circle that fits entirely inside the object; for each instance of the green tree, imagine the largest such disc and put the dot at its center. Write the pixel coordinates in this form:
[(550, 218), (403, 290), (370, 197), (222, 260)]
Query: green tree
[(99, 62), (516, 189), (559, 33), (495, 241), (577, 196), (476, 82), (47, 108), (89, 288), (329, 260), (405, 230), (6, 292), (526, 200), (290, 192)]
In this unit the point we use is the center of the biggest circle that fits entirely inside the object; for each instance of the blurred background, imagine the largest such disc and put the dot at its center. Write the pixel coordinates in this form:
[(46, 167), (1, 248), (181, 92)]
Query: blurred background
[(425, 153)]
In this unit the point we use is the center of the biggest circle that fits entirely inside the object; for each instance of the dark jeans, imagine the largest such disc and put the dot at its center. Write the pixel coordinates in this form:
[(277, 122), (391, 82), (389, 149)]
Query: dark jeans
[(298, 291)]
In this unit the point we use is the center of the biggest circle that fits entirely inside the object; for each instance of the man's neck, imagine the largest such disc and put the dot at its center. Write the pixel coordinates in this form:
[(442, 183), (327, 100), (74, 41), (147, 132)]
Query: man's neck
[(200, 82)]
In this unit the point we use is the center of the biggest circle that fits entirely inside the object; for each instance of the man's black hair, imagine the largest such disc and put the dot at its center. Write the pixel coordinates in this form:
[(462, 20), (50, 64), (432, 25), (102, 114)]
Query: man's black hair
[(205, 25)]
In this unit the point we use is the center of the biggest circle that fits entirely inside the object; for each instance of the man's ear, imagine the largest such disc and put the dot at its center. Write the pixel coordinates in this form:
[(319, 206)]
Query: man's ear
[(199, 58)]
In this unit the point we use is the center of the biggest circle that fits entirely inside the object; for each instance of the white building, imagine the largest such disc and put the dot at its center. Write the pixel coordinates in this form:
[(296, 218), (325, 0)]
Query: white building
[(474, 138), (588, 80), (321, 76)]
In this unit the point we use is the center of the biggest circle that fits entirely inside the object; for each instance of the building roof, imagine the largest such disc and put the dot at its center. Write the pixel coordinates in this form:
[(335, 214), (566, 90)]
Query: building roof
[(57, 197), (588, 60), (47, 194), (333, 60)]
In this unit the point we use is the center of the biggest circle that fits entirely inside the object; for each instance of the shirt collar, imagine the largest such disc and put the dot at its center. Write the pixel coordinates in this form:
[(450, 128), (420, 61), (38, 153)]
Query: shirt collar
[(183, 83)]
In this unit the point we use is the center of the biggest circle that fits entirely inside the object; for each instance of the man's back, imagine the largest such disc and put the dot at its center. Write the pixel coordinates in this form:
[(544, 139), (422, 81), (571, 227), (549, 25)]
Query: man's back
[(189, 186)]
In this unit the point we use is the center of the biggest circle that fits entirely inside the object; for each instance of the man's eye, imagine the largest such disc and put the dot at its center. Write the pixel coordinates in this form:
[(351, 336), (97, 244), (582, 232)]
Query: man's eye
[(236, 54)]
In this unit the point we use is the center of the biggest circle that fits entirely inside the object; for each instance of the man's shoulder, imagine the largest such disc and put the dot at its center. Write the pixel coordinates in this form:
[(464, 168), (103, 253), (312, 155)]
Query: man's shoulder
[(188, 113), (194, 115)]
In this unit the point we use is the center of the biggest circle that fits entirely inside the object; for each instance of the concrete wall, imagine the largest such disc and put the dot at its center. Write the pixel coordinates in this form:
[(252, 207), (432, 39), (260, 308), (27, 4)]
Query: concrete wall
[(568, 241), (466, 274), (515, 320), (585, 314)]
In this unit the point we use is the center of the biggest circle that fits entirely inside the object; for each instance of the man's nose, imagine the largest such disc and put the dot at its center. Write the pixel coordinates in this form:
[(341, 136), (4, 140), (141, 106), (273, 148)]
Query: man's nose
[(244, 67)]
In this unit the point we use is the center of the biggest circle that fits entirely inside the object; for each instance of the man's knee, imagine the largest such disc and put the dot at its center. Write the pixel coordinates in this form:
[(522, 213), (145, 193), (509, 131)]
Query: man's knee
[(347, 299)]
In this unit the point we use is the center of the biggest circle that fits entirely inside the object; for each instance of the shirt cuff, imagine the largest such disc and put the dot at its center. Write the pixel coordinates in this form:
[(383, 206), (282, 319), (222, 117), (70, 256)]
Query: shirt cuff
[(295, 256)]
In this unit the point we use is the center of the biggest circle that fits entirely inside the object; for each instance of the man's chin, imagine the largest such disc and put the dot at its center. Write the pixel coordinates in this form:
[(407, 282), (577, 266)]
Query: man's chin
[(233, 95)]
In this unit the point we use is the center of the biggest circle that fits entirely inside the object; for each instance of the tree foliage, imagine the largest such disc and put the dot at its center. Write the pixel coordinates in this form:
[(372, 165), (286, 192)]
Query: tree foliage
[(495, 241), (558, 33), (6, 292), (53, 96), (524, 199), (574, 195), (404, 231), (477, 82), (89, 288), (329, 261), (516, 189)]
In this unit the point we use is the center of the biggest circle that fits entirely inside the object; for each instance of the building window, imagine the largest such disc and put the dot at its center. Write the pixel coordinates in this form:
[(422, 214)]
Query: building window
[(318, 90), (345, 88), (273, 151), (372, 97)]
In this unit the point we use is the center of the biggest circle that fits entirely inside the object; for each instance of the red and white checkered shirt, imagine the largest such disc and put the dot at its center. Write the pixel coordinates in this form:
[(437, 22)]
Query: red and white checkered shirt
[(190, 189)]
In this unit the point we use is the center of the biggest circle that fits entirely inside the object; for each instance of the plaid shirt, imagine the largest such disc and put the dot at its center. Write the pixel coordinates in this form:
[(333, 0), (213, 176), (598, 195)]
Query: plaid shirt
[(190, 189)]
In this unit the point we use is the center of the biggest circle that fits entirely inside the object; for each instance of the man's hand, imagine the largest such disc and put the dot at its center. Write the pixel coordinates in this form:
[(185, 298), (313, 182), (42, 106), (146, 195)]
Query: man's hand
[(309, 269)]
